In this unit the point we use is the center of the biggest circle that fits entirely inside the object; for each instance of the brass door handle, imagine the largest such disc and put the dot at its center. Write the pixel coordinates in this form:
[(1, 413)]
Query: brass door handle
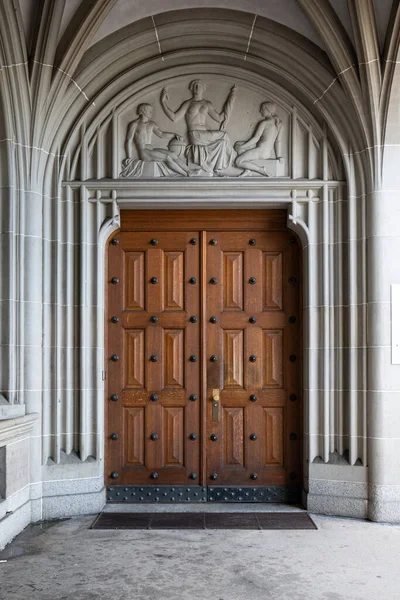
[(215, 405), (215, 396)]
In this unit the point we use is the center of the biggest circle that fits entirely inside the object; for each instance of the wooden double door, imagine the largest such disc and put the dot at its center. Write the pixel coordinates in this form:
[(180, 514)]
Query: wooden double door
[(203, 360)]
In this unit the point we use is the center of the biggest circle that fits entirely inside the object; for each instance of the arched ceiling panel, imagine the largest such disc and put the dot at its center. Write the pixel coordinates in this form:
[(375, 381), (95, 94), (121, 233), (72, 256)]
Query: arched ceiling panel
[(286, 12), (28, 9), (342, 11), (383, 9), (69, 11)]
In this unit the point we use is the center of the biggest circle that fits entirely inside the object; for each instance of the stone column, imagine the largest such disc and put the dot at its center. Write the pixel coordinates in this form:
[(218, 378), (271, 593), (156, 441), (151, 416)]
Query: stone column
[(383, 235)]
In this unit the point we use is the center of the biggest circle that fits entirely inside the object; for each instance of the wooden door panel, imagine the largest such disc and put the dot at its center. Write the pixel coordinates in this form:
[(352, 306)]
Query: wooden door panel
[(154, 348), (258, 344), (253, 271), (233, 280), (240, 320), (134, 284), (134, 360), (272, 358), (133, 436), (240, 288), (273, 432), (173, 356), (273, 281), (233, 432), (157, 293), (233, 358), (155, 271), (154, 447), (253, 348), (174, 436), (174, 288)]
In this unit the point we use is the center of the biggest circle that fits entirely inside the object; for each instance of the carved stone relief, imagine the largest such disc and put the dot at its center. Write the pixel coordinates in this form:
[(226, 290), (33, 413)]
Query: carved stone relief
[(204, 149)]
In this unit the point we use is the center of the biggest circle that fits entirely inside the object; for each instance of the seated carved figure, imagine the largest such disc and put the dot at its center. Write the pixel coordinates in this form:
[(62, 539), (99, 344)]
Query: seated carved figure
[(140, 134), (266, 138), (209, 149)]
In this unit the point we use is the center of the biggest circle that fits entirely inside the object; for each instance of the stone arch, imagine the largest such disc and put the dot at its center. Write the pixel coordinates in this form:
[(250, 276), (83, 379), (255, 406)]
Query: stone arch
[(79, 215), (126, 55)]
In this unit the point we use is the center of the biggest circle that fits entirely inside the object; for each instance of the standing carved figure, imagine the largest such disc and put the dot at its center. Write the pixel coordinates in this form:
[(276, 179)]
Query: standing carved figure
[(209, 149), (267, 137), (140, 134)]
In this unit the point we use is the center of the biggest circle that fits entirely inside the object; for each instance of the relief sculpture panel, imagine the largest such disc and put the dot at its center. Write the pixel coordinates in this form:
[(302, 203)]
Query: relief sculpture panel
[(208, 140)]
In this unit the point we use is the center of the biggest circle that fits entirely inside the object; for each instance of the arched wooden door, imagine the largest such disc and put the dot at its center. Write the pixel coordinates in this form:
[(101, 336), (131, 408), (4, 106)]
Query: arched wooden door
[(203, 361)]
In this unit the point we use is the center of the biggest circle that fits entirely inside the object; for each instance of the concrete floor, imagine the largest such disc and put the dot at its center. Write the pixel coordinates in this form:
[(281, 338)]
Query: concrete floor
[(344, 559)]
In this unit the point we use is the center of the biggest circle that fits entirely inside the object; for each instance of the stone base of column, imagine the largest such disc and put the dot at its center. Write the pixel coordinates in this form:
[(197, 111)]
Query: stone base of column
[(339, 490), (384, 503)]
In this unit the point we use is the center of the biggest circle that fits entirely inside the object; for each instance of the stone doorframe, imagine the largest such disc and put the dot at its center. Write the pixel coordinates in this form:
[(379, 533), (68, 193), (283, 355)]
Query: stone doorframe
[(316, 212)]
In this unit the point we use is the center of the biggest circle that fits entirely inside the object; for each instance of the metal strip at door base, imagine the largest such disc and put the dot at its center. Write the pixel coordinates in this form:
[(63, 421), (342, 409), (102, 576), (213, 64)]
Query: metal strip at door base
[(165, 494), (272, 493), (161, 494)]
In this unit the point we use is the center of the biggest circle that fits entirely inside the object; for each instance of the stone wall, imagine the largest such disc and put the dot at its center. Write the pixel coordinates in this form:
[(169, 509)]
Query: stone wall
[(67, 100)]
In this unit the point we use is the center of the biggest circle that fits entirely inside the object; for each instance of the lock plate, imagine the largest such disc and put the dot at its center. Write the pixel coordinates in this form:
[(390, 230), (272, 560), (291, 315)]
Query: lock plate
[(215, 405)]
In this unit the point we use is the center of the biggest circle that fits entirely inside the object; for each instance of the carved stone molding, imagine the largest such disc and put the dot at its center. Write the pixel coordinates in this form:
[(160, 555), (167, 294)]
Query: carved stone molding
[(205, 149), (16, 428), (318, 211), (202, 193), (235, 125)]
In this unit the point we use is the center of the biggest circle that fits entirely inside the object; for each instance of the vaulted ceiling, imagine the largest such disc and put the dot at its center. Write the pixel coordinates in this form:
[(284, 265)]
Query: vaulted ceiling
[(339, 57), (285, 12)]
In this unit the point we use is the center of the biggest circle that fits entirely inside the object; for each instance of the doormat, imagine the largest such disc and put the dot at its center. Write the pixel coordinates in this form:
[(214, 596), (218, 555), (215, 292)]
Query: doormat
[(199, 520)]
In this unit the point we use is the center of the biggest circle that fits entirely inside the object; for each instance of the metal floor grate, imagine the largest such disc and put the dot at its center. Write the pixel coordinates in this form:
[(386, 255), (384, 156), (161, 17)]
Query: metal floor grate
[(201, 520)]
